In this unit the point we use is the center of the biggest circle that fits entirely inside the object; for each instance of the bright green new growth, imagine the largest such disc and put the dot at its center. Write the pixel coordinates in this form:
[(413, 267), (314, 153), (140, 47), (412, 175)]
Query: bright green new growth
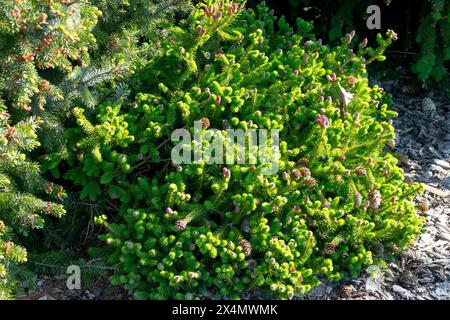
[(337, 203), (21, 189)]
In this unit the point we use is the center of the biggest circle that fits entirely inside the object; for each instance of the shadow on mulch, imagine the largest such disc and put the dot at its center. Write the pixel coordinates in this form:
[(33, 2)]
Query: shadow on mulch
[(55, 288)]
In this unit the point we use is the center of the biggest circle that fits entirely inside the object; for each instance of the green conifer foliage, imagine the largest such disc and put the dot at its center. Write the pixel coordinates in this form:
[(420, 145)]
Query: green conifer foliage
[(129, 32), (37, 36), (54, 55), (25, 197), (10, 255), (433, 36), (183, 231), (108, 39), (427, 25)]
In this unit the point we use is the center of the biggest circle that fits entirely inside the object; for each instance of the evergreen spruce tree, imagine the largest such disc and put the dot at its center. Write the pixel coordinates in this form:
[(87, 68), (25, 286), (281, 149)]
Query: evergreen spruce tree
[(40, 36), (54, 55), (25, 197)]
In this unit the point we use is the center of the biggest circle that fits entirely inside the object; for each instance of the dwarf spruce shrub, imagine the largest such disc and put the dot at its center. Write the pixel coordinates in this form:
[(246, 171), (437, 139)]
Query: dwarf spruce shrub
[(337, 203)]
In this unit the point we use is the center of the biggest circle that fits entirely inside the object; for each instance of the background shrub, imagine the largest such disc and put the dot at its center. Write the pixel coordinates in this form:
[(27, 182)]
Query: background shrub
[(423, 27)]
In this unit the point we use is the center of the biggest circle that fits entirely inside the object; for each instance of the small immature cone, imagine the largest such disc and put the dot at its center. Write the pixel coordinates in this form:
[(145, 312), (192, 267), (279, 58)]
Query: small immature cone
[(218, 100), (303, 161), (49, 188), (8, 246), (322, 120), (43, 18), (348, 39), (326, 204), (246, 247), (205, 123), (169, 211), (394, 35), (331, 77), (329, 248), (180, 225), (391, 144), (364, 43), (423, 207), (311, 182), (218, 15), (49, 207), (393, 248), (358, 200), (201, 31), (305, 172), (374, 199), (360, 171), (226, 173), (305, 59), (351, 80), (297, 174), (345, 291)]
